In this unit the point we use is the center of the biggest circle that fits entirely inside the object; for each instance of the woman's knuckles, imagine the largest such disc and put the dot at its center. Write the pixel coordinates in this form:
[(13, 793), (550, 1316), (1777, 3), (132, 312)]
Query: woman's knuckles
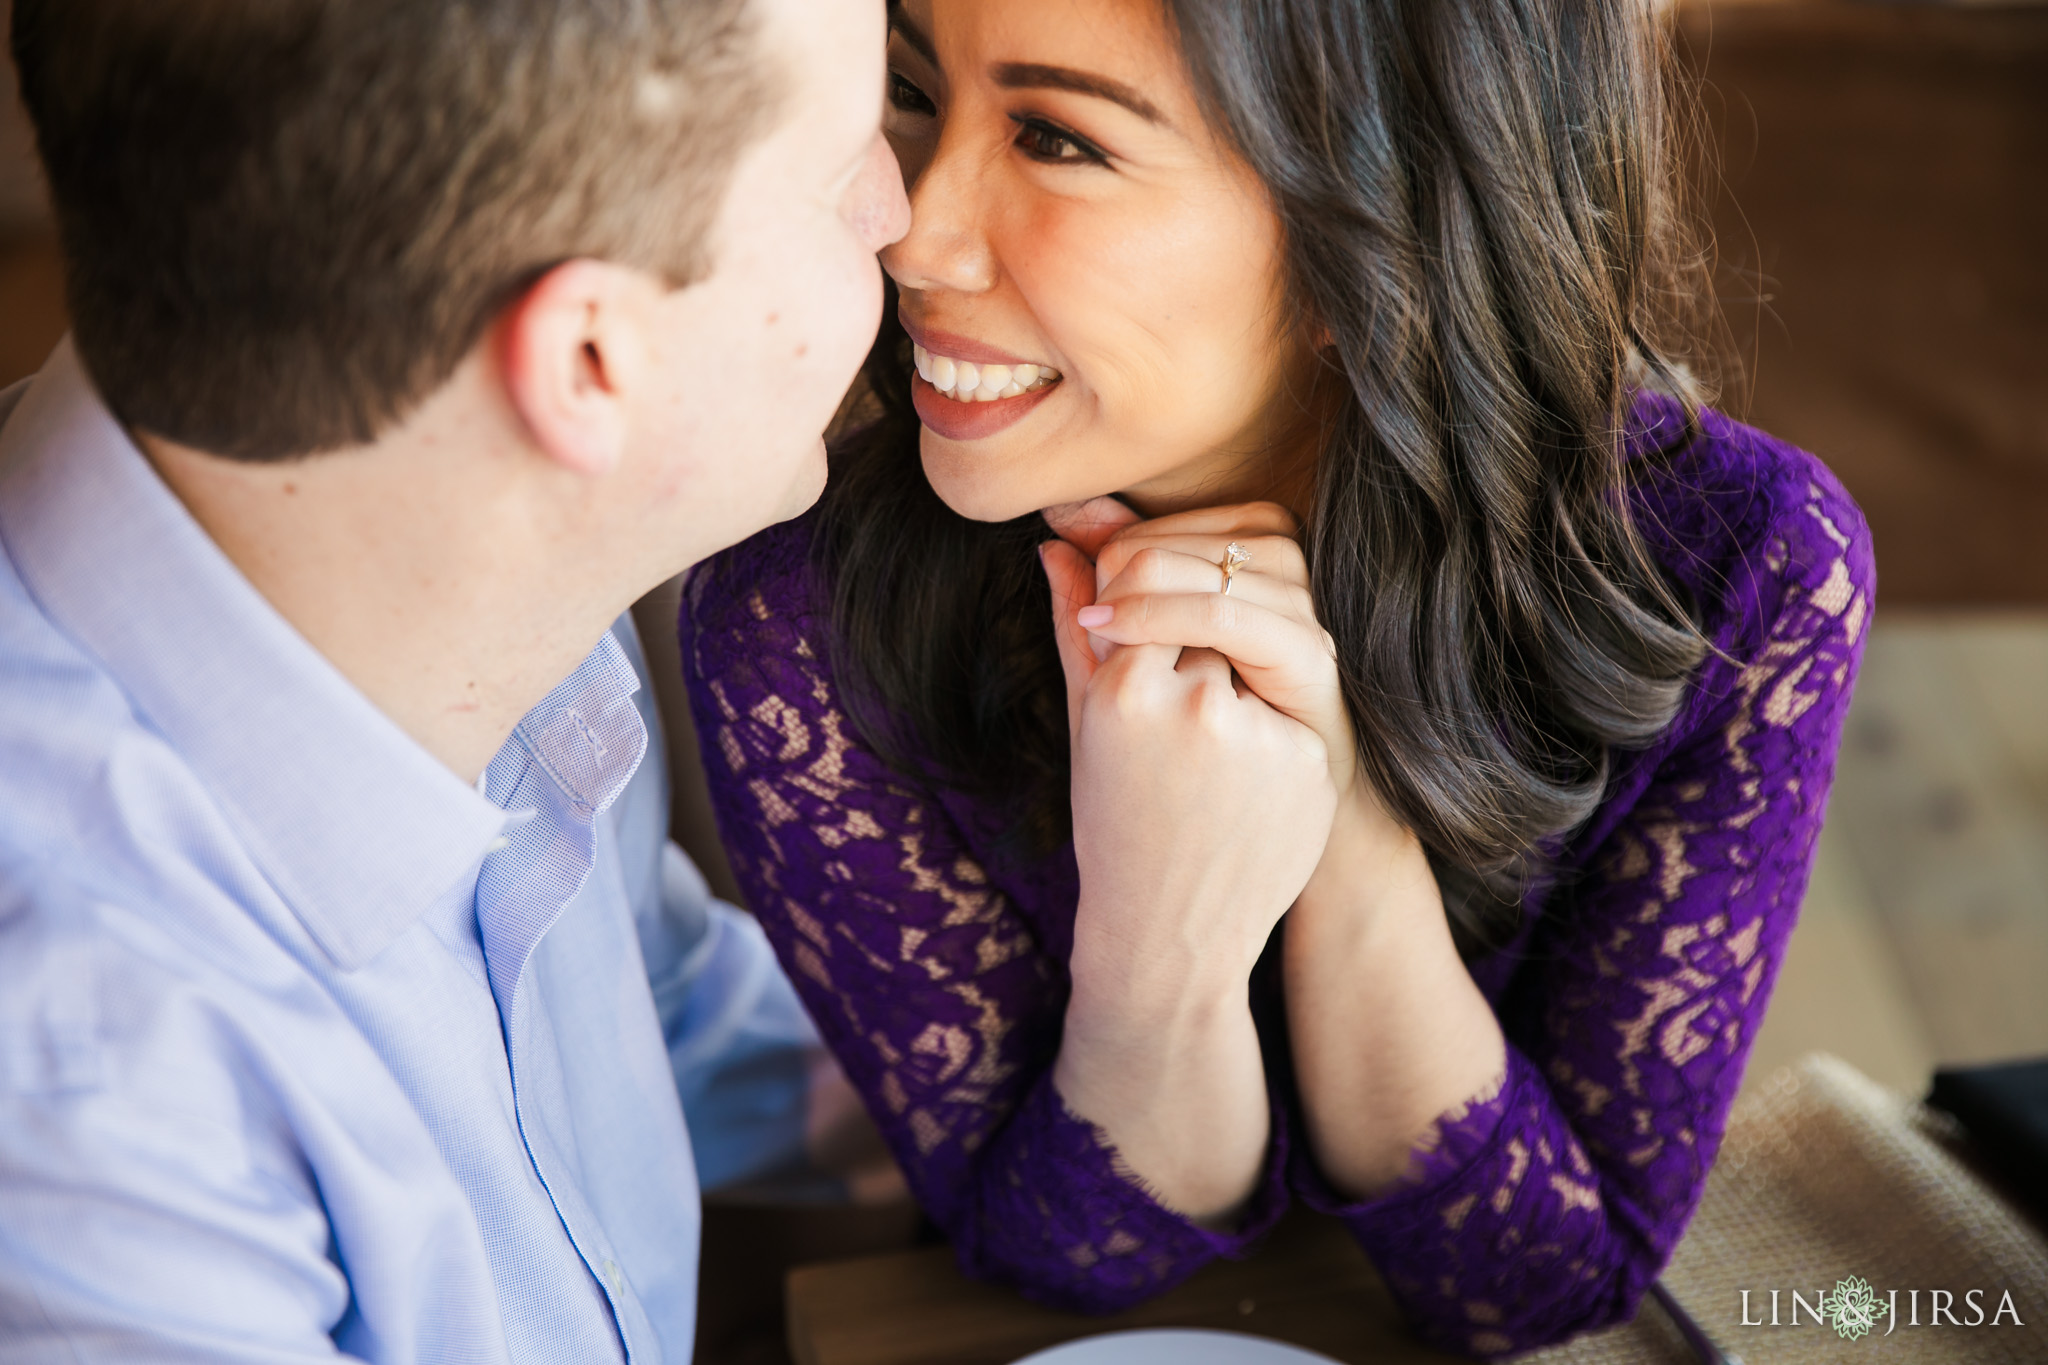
[(1280, 557), (1127, 695), (1148, 570), (1217, 714)]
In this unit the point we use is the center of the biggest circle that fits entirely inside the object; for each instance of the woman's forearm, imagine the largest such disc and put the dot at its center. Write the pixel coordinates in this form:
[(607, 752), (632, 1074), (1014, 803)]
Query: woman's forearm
[(1166, 1062), (1389, 1031)]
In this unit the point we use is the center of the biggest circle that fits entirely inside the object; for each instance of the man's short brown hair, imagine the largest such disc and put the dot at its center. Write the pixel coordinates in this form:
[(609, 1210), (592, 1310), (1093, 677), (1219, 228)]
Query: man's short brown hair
[(287, 221)]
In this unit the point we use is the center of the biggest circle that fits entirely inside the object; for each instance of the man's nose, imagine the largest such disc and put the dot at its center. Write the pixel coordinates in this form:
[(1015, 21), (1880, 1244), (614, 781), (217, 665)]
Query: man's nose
[(876, 204)]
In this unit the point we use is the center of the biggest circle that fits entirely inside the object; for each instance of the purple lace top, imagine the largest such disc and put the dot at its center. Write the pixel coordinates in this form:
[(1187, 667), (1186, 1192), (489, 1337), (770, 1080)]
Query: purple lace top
[(1629, 1000)]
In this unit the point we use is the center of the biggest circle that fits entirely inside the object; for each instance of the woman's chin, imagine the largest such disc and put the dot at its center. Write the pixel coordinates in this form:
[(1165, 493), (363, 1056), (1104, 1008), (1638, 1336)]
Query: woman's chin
[(972, 488)]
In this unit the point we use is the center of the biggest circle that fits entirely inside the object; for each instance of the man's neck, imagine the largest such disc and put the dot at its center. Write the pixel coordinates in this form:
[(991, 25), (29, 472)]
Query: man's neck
[(436, 569)]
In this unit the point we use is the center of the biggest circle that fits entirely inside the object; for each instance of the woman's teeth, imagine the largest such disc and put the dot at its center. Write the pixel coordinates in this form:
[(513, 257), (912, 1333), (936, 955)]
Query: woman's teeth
[(963, 381)]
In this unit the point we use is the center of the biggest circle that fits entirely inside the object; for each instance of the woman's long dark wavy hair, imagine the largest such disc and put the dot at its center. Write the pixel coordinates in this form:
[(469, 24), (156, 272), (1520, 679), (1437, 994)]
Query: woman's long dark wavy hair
[(1479, 200)]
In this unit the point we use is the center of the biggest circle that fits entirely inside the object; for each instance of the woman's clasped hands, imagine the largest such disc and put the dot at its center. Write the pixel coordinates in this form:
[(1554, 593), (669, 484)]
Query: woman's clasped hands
[(1211, 744), (1216, 787), (1212, 753)]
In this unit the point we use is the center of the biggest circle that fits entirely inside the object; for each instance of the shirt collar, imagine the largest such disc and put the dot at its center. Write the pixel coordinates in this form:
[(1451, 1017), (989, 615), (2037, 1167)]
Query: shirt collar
[(586, 734), (358, 827)]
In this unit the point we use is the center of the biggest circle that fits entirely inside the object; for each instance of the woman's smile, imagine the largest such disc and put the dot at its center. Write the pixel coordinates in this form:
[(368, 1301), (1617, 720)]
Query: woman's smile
[(974, 417), (963, 381), (967, 390)]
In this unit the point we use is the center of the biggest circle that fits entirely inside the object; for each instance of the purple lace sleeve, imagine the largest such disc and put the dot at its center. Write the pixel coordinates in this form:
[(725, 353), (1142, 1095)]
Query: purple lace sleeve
[(942, 1001), (1548, 1207)]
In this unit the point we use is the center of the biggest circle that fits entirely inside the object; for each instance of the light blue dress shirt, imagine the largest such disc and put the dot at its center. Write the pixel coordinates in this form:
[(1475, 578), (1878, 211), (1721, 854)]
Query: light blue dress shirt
[(306, 1045)]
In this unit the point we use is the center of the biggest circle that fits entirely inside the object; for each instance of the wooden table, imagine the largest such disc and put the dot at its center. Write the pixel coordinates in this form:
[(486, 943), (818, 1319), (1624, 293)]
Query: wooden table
[(1822, 1172), (1307, 1284)]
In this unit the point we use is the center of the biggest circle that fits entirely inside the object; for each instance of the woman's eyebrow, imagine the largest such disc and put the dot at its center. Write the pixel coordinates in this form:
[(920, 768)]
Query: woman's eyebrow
[(920, 42), (1032, 76)]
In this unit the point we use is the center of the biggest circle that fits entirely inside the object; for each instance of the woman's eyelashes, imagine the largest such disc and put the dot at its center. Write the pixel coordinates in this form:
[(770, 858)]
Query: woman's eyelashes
[(1037, 137), (1050, 143), (906, 97)]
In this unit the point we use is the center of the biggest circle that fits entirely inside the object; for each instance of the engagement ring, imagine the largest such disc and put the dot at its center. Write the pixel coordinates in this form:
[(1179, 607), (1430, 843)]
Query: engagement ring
[(1235, 557)]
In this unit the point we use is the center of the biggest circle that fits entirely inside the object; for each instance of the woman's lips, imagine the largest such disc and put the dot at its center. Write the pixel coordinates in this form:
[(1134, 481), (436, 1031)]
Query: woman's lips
[(971, 421), (957, 346)]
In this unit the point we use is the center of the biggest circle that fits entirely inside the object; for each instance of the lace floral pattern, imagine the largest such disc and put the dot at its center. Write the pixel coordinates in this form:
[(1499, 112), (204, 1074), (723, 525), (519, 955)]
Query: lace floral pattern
[(1629, 1000)]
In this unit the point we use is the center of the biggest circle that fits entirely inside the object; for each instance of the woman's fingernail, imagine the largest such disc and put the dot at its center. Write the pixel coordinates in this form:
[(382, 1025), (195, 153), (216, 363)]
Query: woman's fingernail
[(1091, 617)]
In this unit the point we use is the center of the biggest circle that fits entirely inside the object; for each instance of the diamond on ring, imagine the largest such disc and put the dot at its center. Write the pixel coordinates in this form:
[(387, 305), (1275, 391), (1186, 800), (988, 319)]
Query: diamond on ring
[(1235, 557)]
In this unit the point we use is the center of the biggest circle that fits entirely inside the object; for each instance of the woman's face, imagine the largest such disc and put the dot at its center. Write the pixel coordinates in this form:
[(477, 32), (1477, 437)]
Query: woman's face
[(1072, 211)]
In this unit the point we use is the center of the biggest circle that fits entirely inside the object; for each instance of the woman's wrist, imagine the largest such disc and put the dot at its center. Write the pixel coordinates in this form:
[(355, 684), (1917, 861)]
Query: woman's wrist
[(1105, 1035), (1389, 1030), (1178, 1087), (1121, 985), (1371, 868)]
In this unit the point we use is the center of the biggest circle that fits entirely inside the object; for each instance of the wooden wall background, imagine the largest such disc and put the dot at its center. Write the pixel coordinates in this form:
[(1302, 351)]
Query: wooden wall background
[(1881, 229)]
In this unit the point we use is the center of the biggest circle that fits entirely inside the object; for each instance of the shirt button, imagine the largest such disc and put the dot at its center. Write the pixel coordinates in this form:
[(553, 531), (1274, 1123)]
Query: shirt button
[(615, 1277)]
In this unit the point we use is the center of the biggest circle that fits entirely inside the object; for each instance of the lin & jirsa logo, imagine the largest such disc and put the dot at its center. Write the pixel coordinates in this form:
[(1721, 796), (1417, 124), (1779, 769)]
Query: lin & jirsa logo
[(1854, 1309)]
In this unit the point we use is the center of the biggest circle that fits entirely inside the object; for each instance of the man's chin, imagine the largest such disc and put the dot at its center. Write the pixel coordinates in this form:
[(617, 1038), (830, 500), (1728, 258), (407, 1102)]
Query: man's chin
[(806, 487), (799, 495)]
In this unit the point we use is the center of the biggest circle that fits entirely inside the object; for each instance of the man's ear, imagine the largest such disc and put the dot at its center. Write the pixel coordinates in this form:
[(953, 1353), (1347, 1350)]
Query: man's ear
[(573, 351)]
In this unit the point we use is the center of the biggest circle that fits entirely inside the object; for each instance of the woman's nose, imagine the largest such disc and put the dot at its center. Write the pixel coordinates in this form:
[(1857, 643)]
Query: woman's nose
[(875, 203), (945, 247)]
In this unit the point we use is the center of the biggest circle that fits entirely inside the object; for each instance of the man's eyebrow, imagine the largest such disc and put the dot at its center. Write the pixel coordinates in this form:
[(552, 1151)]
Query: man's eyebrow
[(1032, 76), (920, 41)]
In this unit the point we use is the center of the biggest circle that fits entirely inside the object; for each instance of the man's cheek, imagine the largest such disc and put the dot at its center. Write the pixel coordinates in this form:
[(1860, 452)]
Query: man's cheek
[(843, 280)]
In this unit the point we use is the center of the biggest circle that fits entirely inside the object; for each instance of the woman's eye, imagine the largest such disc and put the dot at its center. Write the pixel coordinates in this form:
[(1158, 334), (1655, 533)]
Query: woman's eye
[(1047, 142), (906, 97)]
